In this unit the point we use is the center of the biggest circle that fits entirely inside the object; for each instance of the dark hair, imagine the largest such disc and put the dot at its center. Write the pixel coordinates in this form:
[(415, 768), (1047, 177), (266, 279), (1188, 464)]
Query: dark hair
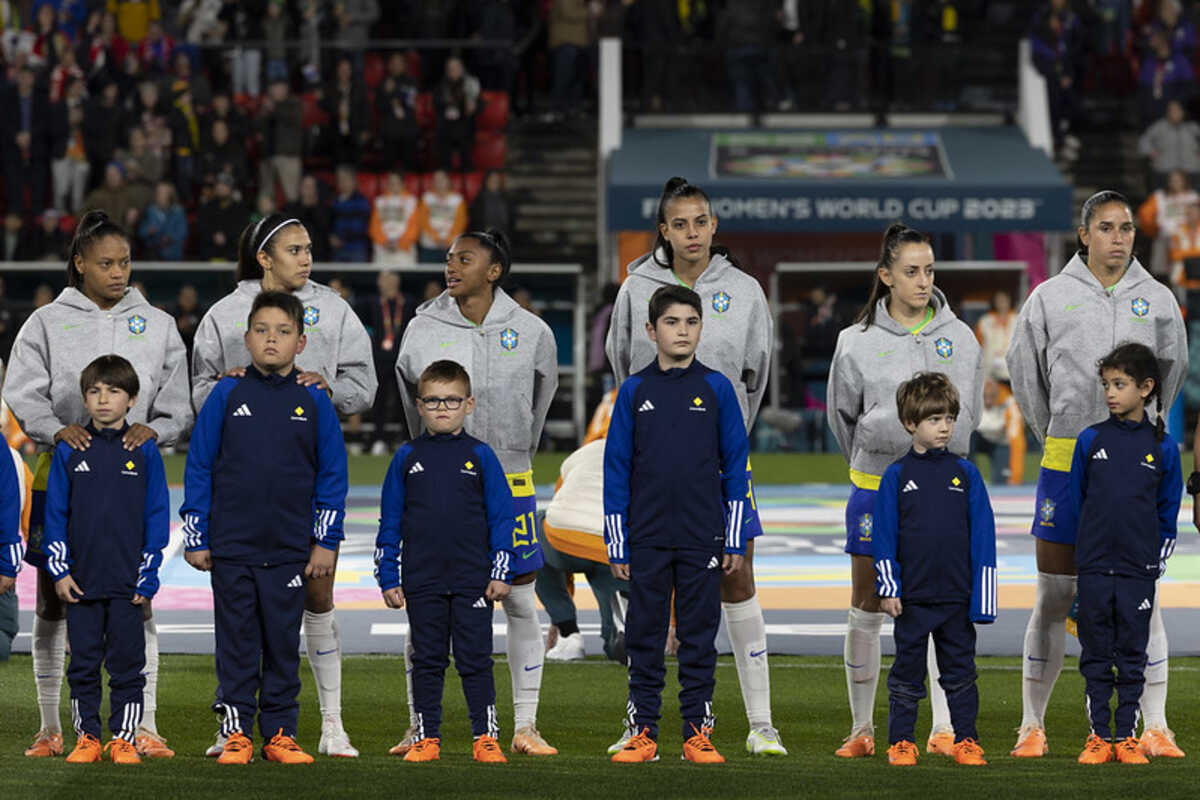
[(496, 243), (675, 189), (255, 237), (284, 301), (1091, 206), (445, 371), (93, 226), (896, 236), (926, 394), (666, 296), (112, 370), (1138, 362)]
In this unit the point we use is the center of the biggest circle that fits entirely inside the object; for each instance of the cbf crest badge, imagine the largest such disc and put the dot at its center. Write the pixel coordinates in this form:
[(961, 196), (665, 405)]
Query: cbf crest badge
[(944, 347), (1140, 306), (721, 301), (866, 524), (312, 315), (137, 325), (1046, 511), (509, 339)]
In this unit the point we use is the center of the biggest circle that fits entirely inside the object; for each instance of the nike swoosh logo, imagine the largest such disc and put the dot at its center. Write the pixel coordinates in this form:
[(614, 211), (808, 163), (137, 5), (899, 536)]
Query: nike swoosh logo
[(528, 555), (446, 344), (1031, 658), (326, 652), (754, 654), (1155, 663), (70, 327), (1072, 306), (856, 666), (531, 669), (885, 353)]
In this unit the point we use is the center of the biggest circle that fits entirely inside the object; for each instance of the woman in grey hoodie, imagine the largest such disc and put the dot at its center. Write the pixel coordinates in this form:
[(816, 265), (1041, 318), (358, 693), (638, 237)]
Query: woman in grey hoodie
[(906, 327), (512, 358), (737, 340), (276, 253), (95, 315)]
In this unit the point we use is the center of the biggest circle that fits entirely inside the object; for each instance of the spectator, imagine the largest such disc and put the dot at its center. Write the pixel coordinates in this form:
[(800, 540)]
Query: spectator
[(114, 197), (201, 88), (47, 242), (1164, 76), (147, 103), (68, 148), (354, 20), (994, 330), (264, 207), (223, 156), (1185, 258), (282, 136), (455, 101), (312, 209), (63, 74), (106, 49), (1161, 216), (386, 322), (492, 207), (164, 226), (569, 40), (143, 167), (275, 31), (1001, 434), (50, 41), (243, 23), (432, 289), (524, 298), (803, 46), (345, 101), (101, 136), (156, 51), (312, 19), (350, 219), (442, 216), (218, 223), (129, 80), (15, 244), (134, 17), (496, 19), (846, 35), (199, 20), (394, 223), (1175, 29), (25, 139), (1057, 43), (1172, 143), (187, 313), (185, 138), (222, 109), (395, 108)]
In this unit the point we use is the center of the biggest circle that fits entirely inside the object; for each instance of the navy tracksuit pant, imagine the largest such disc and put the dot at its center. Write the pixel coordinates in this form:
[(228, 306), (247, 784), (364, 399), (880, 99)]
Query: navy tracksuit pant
[(257, 612), (435, 621), (954, 643), (1114, 628), (695, 577), (108, 632)]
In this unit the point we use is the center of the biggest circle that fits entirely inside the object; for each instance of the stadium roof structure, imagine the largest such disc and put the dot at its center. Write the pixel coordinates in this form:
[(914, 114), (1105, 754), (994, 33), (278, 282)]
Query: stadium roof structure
[(953, 180)]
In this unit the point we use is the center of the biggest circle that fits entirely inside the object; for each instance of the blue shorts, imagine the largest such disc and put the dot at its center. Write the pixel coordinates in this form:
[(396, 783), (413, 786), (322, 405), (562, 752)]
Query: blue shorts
[(751, 524), (37, 512), (1053, 516), (860, 520), (526, 543)]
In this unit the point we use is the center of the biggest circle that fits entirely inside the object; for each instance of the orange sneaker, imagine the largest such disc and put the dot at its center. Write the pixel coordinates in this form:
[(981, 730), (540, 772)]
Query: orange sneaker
[(969, 753), (122, 751), (902, 754), (424, 750), (487, 751), (638, 749), (151, 745), (530, 742), (45, 744), (1155, 742), (941, 743), (856, 747), (87, 750), (1128, 753), (1096, 751), (284, 749), (699, 748), (1031, 742), (238, 750)]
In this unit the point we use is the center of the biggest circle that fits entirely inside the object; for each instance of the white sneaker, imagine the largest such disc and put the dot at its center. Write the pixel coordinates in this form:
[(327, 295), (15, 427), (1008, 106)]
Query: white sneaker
[(217, 747), (379, 448), (619, 745), (765, 741), (335, 742), (568, 648)]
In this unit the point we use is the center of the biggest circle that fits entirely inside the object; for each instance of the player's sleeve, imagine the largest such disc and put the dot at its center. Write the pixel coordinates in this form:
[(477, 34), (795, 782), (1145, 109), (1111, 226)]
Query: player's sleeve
[(407, 374), (545, 383), (760, 345), (1028, 367), (58, 498), (329, 490), (1170, 492), (844, 395), (618, 342), (389, 541), (157, 521), (618, 457), (884, 532), (11, 546), (735, 451), (975, 413), (203, 448), (27, 383), (1172, 353), (984, 605), (170, 412), (208, 359), (497, 498), (355, 382), (1077, 479)]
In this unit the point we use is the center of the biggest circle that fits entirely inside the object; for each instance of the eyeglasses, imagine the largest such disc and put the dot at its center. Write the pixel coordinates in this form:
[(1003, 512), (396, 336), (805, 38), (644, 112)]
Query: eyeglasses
[(434, 403)]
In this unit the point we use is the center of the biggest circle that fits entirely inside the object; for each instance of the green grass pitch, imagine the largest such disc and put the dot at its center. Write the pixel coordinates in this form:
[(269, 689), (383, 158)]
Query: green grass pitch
[(580, 713)]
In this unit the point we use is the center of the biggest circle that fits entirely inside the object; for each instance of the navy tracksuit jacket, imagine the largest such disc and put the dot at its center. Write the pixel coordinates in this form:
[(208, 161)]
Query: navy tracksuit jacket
[(445, 531), (1125, 487), (12, 546), (265, 480), (107, 522), (934, 543), (674, 494)]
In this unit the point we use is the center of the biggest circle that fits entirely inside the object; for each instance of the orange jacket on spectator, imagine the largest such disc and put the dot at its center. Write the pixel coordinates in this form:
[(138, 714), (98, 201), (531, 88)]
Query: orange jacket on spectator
[(395, 221), (441, 218), (1185, 245), (13, 434), (134, 17)]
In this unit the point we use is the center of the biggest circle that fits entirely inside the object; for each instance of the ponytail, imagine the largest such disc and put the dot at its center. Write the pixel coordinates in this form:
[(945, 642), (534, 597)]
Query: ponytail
[(499, 250), (93, 226), (896, 236), (255, 238), (1139, 362)]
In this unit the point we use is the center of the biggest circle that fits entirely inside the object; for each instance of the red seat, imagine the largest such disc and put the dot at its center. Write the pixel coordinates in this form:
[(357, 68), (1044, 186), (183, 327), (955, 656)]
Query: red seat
[(313, 113), (413, 58), (426, 117), (490, 151), (472, 183), (415, 183), (374, 70), (66, 224), (493, 111), (369, 183)]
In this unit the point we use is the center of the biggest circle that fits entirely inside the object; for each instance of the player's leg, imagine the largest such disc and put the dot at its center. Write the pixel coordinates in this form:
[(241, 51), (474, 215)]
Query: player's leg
[(429, 630), (861, 650), (906, 681), (471, 622), (149, 742), (941, 731), (697, 596), (49, 650), (125, 660), (954, 647), (238, 656), (1097, 611), (279, 616), (323, 643), (1132, 611), (86, 631), (1158, 740), (649, 615)]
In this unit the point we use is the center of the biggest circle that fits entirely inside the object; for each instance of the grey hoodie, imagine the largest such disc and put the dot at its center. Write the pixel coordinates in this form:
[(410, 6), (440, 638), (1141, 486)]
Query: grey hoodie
[(738, 331), (869, 365), (1068, 324), (512, 359), (60, 339), (337, 345)]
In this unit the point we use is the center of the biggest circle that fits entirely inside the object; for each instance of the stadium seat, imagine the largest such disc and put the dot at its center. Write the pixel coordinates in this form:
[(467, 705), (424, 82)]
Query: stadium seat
[(370, 184), (490, 150), (374, 70), (425, 114), (493, 111), (66, 224), (472, 182), (413, 57), (314, 115), (415, 183)]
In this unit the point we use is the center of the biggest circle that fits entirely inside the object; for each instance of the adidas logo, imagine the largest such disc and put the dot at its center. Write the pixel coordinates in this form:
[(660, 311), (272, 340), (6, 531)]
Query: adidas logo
[(911, 486), (416, 468), (713, 563), (243, 411), (1101, 455), (647, 406), (480, 603), (83, 467), (1146, 605), (295, 583)]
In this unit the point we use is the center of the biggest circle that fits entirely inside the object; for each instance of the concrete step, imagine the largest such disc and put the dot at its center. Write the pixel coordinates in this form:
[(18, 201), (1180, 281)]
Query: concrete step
[(557, 209), (555, 224)]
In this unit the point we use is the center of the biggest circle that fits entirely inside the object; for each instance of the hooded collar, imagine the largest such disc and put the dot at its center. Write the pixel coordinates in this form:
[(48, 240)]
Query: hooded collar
[(647, 267), (942, 315), (305, 293), (444, 308), (75, 298), (1135, 273)]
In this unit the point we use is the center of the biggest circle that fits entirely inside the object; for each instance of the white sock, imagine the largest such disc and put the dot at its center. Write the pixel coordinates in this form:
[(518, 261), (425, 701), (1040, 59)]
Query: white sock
[(1045, 643), (748, 636), (862, 656), (324, 648), (150, 690), (937, 695), (413, 720), (526, 654), (1154, 694), (49, 653)]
